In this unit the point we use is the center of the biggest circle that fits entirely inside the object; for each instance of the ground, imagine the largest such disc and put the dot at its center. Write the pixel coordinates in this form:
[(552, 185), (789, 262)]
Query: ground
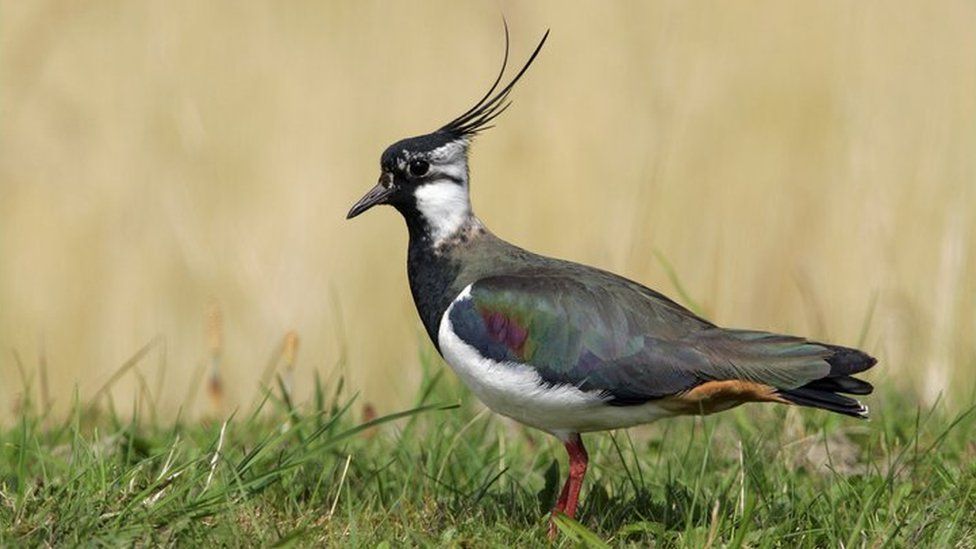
[(448, 473)]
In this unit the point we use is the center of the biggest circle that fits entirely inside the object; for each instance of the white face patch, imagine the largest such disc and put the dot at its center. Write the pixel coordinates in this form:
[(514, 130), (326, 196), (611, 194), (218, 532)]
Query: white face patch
[(458, 171), (445, 207), (450, 152)]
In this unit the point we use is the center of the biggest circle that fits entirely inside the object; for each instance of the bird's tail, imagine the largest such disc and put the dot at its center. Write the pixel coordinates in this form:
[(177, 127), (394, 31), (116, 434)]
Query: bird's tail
[(829, 392)]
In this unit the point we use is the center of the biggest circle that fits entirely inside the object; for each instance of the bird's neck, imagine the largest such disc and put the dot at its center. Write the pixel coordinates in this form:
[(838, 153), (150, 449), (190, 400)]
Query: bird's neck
[(434, 266), (440, 237), (441, 211)]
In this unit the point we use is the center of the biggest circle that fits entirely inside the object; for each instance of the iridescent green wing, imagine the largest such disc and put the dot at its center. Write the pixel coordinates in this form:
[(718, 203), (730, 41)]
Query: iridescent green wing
[(604, 333)]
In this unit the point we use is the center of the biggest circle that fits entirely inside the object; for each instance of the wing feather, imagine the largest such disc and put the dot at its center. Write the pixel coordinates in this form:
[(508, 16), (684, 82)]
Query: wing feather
[(605, 333)]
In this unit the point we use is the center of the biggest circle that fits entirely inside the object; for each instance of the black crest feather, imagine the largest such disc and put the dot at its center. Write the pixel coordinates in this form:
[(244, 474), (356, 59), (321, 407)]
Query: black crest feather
[(478, 118)]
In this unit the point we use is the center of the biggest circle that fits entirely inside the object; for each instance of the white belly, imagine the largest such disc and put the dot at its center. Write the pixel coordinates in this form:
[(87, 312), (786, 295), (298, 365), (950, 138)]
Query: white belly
[(517, 391)]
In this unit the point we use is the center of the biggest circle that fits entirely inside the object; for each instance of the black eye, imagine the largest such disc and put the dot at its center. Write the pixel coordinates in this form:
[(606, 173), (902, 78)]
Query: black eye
[(418, 168)]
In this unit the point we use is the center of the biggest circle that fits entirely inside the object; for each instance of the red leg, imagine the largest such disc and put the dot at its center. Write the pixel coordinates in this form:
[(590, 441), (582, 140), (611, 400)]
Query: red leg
[(561, 502), (577, 470), (569, 497)]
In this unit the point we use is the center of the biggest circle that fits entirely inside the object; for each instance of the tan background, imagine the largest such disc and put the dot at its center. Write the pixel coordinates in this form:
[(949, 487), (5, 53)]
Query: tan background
[(795, 162)]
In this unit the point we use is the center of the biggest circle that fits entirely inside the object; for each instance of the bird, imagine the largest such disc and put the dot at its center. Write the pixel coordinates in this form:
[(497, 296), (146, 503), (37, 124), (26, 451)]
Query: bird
[(569, 348)]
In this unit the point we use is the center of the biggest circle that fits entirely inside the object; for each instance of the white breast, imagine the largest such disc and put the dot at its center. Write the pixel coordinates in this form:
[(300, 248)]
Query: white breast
[(517, 391)]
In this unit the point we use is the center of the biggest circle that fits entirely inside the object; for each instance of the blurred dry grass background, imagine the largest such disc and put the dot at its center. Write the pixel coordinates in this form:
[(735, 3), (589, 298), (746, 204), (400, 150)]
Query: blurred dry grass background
[(803, 166)]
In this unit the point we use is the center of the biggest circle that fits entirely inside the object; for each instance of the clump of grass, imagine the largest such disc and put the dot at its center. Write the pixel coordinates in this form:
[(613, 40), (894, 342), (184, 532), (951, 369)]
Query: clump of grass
[(96, 478), (454, 475)]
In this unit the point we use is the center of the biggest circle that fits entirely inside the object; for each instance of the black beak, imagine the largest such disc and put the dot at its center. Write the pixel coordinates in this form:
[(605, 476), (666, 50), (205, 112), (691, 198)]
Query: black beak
[(376, 195)]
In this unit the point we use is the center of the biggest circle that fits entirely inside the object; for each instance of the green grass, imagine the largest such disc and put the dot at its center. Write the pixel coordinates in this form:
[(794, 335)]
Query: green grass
[(448, 474)]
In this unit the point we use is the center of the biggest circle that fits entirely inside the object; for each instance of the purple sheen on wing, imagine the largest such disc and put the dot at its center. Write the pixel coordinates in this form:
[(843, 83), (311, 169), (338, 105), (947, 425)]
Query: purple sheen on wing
[(588, 362), (506, 331)]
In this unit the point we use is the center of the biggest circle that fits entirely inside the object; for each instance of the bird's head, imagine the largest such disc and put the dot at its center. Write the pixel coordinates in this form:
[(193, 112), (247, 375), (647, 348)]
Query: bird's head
[(426, 177), (419, 169)]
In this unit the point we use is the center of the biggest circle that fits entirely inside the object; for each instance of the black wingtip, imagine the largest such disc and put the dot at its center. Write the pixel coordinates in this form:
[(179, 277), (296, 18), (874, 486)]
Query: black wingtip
[(843, 384), (825, 400), (845, 361), (827, 393)]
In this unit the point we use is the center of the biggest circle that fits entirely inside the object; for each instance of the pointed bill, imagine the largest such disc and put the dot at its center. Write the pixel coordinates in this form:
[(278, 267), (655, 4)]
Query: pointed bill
[(376, 195)]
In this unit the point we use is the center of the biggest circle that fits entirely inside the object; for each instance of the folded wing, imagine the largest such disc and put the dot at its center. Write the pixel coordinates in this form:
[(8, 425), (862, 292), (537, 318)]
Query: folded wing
[(600, 332)]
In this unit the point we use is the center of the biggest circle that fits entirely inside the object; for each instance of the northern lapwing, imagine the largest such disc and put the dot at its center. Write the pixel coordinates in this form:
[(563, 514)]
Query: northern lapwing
[(568, 348)]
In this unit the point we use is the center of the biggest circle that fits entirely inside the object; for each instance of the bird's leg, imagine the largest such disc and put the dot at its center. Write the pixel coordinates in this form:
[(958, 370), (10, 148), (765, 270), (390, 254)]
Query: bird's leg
[(577, 470), (569, 497), (561, 502)]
